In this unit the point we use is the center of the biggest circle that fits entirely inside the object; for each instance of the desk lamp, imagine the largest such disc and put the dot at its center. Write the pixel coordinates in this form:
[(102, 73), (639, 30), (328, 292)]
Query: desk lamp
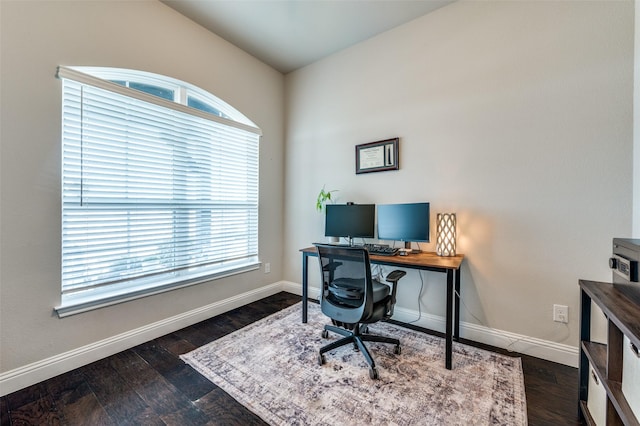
[(446, 234)]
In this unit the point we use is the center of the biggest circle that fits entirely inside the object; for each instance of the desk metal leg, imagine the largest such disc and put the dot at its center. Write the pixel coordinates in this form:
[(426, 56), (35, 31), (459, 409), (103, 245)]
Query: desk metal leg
[(305, 286), (456, 325), (449, 330)]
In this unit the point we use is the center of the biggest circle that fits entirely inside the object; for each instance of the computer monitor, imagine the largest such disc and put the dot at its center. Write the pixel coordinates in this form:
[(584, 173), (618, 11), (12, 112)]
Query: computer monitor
[(404, 222), (350, 220)]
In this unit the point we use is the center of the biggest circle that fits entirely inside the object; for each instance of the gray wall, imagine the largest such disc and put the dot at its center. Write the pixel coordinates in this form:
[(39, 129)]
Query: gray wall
[(37, 36), (515, 115)]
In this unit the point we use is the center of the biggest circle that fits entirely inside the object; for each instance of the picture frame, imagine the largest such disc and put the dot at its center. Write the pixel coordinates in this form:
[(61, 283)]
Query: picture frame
[(377, 156)]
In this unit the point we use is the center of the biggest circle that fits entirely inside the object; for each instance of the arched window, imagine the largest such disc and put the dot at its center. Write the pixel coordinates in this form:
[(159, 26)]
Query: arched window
[(159, 186)]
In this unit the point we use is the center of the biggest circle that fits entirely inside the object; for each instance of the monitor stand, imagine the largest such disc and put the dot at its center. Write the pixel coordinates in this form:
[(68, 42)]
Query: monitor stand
[(407, 248)]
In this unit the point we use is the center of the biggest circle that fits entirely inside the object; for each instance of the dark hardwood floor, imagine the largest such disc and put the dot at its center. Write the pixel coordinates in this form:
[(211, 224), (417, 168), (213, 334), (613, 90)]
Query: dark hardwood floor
[(150, 385)]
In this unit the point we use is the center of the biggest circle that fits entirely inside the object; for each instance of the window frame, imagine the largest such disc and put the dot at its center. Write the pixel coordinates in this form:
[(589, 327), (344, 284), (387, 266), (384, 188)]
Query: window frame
[(73, 301)]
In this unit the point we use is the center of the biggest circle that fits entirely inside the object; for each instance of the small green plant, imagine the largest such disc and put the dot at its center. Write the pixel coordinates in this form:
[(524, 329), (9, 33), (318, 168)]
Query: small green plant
[(323, 197)]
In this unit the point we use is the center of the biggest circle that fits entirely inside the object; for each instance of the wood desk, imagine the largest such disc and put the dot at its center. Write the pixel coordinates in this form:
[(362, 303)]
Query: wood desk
[(427, 261)]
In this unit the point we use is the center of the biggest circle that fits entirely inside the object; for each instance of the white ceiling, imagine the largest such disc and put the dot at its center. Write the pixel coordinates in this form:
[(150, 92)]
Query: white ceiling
[(289, 34)]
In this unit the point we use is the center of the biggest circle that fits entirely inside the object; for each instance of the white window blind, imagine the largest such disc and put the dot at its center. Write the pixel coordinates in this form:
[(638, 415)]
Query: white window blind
[(154, 194)]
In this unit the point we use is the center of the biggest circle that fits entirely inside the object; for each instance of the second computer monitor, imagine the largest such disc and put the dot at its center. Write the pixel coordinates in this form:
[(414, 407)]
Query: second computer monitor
[(404, 222)]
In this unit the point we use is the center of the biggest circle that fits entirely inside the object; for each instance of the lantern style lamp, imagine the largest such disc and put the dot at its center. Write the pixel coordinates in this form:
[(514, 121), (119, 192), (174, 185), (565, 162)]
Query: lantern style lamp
[(446, 234)]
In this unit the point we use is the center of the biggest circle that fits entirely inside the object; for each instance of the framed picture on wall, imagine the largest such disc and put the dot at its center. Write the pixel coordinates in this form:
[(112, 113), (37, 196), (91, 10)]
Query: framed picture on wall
[(377, 156)]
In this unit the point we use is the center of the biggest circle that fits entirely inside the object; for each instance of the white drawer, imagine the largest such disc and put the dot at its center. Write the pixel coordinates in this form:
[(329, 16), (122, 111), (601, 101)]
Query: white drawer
[(596, 398), (631, 376), (599, 325)]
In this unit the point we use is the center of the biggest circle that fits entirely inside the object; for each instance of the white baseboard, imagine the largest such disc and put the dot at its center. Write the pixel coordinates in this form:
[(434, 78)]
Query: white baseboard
[(21, 377), (550, 351), (296, 288)]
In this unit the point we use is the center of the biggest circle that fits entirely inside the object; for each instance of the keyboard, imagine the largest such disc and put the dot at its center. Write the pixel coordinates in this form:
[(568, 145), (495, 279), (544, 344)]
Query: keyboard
[(381, 250)]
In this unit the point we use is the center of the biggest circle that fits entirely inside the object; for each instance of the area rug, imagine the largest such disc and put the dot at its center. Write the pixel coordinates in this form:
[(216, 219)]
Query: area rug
[(271, 367)]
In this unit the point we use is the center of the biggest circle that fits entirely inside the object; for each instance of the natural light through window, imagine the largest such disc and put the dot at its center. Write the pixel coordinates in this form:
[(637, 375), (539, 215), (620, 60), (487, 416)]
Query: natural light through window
[(159, 187)]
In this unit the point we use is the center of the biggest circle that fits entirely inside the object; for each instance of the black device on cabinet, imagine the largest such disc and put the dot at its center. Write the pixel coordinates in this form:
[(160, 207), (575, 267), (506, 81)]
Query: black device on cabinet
[(624, 262)]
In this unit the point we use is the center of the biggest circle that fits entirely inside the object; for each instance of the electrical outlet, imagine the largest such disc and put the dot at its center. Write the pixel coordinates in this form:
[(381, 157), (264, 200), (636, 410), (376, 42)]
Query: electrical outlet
[(267, 268), (561, 313)]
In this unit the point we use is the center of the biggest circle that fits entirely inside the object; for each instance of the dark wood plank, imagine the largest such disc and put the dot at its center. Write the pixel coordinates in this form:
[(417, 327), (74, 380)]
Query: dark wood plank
[(5, 419), (121, 401), (551, 398), (42, 411), (27, 395), (161, 396), (174, 370), (75, 400), (218, 405), (207, 331), (175, 345), (81, 406)]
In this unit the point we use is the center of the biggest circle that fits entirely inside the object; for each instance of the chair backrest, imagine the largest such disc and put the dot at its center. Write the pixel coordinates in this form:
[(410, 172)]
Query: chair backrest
[(347, 286)]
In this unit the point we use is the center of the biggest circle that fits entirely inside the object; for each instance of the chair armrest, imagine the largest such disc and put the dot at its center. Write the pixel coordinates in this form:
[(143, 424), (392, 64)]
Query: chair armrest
[(393, 278), (332, 266)]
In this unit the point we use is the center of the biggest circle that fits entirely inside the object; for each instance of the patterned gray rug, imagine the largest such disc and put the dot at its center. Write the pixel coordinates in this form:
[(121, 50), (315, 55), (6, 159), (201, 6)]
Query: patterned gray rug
[(271, 367)]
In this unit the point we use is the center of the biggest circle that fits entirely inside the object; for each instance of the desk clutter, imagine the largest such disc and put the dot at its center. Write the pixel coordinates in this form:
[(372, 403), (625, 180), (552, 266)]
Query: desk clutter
[(407, 223), (381, 249)]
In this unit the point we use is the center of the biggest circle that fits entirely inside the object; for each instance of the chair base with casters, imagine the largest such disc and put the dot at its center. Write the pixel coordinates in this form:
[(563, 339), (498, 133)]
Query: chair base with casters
[(352, 299), (356, 338)]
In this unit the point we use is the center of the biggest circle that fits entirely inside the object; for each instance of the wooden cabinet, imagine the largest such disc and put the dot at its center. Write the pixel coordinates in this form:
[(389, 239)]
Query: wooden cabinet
[(602, 364)]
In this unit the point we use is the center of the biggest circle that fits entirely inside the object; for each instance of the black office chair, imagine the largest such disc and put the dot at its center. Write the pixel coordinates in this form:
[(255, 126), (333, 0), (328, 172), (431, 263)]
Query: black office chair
[(352, 299)]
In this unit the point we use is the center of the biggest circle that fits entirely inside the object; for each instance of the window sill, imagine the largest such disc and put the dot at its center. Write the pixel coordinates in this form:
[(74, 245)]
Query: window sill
[(88, 300)]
